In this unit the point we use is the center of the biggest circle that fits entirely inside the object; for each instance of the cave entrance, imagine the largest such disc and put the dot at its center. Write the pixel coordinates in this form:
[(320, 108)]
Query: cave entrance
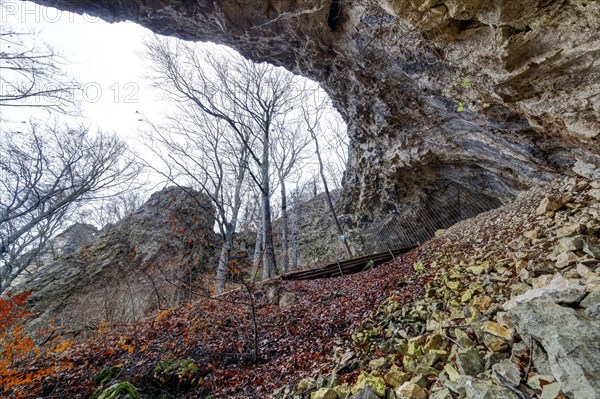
[(117, 92)]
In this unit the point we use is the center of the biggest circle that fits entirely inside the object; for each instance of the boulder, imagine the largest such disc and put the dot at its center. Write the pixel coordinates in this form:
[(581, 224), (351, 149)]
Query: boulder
[(591, 299), (542, 281), (463, 338), (506, 371), (584, 271), (434, 341), (443, 393), (569, 244), (593, 311), (538, 381), (592, 284), (595, 193), (371, 381), (367, 392), (560, 290), (324, 393), (378, 363), (497, 330), (569, 230), (476, 389), (550, 391), (410, 390), (469, 361), (342, 390), (483, 302), (287, 299), (565, 259), (495, 336), (591, 249), (395, 378), (586, 169), (493, 358), (561, 331), (306, 384), (549, 204), (419, 380)]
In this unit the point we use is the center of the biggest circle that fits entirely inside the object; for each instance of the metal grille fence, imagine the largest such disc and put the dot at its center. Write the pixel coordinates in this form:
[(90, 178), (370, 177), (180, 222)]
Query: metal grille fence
[(416, 226)]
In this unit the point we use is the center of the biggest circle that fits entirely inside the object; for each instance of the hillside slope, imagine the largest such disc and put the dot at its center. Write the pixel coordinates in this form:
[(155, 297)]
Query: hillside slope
[(434, 323)]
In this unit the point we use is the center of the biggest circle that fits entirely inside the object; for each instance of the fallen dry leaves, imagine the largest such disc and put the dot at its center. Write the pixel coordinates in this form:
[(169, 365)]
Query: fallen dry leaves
[(293, 341)]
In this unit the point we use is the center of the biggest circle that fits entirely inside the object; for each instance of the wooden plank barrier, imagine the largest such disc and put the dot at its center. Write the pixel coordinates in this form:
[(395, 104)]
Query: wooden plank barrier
[(350, 266)]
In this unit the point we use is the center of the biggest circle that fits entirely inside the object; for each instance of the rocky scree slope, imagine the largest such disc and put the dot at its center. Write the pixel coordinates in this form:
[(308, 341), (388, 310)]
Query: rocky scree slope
[(129, 269), (495, 96), (511, 310)]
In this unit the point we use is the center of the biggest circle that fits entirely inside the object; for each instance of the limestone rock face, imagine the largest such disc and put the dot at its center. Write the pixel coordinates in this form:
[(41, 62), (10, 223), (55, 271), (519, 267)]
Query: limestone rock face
[(577, 373), (134, 267), (492, 96), (66, 243)]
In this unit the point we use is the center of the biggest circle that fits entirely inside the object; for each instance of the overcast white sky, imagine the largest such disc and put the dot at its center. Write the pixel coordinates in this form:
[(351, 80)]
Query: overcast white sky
[(103, 57)]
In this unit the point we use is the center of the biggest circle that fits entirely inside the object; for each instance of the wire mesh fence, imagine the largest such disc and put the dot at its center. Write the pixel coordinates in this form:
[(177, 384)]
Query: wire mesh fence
[(415, 226)]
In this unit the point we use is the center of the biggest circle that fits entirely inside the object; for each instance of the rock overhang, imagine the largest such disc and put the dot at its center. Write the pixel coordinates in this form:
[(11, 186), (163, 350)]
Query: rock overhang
[(494, 97)]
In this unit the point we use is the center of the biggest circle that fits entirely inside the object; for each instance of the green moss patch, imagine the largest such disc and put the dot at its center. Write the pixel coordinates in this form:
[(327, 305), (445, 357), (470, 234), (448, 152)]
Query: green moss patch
[(177, 374), (122, 390), (108, 374)]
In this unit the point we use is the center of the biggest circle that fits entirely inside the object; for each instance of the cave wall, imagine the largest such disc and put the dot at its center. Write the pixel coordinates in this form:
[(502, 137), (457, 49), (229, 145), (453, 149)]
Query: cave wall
[(490, 95)]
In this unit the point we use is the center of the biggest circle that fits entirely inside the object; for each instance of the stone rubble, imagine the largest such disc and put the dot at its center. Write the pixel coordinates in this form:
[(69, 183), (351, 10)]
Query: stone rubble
[(499, 318)]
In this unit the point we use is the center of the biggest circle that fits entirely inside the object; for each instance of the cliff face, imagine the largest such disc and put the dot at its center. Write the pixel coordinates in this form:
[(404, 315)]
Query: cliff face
[(490, 95), (145, 262)]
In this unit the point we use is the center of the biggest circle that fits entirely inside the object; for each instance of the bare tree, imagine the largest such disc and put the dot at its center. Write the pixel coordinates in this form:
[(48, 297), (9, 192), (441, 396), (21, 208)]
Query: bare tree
[(336, 146), (246, 96), (204, 151), (313, 118), (297, 197), (289, 153), (108, 211), (31, 73), (46, 174)]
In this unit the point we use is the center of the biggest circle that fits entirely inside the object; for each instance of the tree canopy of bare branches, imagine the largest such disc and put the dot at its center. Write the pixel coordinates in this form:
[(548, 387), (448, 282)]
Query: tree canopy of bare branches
[(31, 73), (46, 174), (252, 100)]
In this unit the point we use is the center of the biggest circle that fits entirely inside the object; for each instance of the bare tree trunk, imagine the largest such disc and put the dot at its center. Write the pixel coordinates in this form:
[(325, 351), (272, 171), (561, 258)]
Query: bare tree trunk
[(269, 252), (294, 229), (328, 196), (258, 244), (230, 227), (285, 258), (269, 255), (223, 262)]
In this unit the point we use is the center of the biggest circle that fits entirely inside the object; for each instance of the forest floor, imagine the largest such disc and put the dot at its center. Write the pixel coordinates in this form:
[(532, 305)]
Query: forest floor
[(293, 341)]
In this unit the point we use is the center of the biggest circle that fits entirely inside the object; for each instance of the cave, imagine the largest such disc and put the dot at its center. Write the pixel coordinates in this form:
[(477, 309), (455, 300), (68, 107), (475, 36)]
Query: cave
[(505, 102)]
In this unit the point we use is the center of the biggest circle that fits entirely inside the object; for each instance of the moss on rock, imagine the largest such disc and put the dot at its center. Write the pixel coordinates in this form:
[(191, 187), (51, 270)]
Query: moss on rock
[(178, 374), (122, 390), (107, 374)]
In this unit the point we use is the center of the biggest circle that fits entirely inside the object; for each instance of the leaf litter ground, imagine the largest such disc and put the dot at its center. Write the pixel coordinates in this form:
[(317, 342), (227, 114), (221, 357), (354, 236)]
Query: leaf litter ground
[(294, 341)]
